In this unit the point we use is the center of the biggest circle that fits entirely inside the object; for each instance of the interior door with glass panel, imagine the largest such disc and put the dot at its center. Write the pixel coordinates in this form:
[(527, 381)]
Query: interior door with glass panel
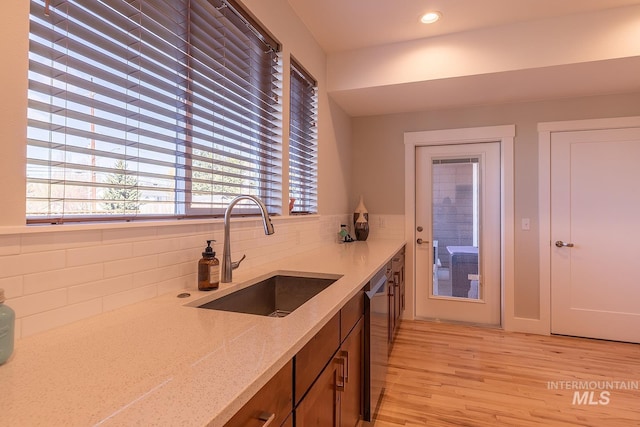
[(457, 232)]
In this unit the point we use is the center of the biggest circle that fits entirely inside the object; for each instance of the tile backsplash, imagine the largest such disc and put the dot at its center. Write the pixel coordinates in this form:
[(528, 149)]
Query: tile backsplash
[(52, 278)]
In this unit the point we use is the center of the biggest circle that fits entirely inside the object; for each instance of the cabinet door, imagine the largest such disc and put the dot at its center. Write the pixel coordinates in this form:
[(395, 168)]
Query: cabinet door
[(272, 403), (315, 355), (288, 422), (351, 352), (350, 313), (392, 310), (321, 405), (402, 290), (397, 303)]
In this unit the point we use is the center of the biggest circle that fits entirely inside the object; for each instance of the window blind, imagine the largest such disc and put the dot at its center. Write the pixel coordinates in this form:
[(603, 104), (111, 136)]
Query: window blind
[(303, 141), (141, 108)]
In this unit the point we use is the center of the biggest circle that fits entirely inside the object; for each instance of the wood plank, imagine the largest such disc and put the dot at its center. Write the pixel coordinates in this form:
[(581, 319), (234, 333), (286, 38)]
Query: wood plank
[(456, 375)]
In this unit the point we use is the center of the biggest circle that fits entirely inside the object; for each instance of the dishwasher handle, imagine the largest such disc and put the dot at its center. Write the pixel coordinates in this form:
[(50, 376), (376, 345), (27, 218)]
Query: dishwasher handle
[(377, 284)]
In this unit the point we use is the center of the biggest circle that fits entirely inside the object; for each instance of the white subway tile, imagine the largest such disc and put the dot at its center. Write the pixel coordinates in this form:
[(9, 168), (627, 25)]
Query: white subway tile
[(112, 302), (31, 304), (41, 322), (130, 265), (112, 236), (155, 246), (177, 284), (17, 331), (200, 242), (88, 291), (187, 268), (156, 275), (15, 265), (45, 242), (86, 272), (177, 257), (177, 231), (55, 279), (10, 245), (101, 253), (13, 286)]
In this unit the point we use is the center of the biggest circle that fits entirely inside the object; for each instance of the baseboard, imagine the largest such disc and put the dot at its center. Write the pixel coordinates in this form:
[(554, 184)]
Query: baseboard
[(526, 325)]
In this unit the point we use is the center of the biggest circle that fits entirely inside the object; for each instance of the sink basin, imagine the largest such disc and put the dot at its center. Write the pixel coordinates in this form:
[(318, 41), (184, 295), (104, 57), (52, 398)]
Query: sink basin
[(275, 296)]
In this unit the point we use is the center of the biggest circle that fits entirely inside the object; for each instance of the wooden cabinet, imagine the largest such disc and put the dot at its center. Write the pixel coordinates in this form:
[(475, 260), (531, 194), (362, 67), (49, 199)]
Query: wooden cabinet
[(335, 398), (324, 382), (315, 355), (396, 293), (321, 405), (352, 311), (352, 394), (271, 405)]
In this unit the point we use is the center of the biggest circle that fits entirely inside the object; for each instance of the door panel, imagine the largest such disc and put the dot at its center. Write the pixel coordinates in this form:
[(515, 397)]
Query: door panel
[(458, 232), (595, 207)]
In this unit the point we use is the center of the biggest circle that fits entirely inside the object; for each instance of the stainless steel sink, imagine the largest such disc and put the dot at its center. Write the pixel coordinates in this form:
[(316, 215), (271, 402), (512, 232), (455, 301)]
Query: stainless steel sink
[(275, 296)]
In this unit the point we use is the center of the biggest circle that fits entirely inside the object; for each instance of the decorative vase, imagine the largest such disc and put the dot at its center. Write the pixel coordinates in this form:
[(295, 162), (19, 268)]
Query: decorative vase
[(362, 227), (361, 209)]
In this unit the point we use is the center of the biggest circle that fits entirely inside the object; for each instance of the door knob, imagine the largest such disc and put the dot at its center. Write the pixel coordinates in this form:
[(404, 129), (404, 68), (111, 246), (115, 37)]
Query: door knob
[(420, 241), (561, 244)]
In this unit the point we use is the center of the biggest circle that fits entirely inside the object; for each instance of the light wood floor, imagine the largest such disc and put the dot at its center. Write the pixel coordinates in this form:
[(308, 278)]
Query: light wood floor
[(453, 375)]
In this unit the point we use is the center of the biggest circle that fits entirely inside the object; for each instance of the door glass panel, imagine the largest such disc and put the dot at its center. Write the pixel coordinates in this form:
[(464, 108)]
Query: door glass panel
[(456, 227)]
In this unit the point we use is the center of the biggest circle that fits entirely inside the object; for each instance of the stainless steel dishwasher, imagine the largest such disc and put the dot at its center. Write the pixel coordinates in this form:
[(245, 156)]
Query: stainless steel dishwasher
[(376, 341)]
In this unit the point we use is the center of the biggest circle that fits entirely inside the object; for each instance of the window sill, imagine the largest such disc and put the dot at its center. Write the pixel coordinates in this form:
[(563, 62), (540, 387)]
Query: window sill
[(55, 228)]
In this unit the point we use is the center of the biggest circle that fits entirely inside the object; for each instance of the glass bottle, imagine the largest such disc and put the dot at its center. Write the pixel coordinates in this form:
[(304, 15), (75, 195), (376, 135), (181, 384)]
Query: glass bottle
[(7, 324), (208, 269)]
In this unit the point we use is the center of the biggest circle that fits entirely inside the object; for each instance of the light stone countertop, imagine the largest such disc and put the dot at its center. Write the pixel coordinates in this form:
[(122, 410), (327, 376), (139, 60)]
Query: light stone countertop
[(162, 363)]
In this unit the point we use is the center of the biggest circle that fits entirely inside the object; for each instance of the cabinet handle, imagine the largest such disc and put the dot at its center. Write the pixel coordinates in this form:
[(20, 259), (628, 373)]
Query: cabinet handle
[(340, 379), (267, 418), (345, 356)]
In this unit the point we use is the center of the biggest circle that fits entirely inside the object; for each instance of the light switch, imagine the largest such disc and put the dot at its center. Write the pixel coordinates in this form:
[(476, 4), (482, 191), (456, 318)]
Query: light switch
[(526, 224)]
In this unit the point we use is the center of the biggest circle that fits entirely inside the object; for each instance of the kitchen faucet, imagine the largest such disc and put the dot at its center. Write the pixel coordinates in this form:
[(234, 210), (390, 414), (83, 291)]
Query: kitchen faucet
[(227, 265)]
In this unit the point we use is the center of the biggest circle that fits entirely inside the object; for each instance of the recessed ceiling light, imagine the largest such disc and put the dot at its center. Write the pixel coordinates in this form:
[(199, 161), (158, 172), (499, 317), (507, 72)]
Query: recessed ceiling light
[(430, 17)]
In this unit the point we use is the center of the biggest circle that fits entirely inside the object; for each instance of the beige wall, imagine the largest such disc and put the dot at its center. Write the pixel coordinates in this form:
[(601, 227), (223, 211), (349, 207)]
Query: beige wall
[(378, 164), (334, 126), (13, 108)]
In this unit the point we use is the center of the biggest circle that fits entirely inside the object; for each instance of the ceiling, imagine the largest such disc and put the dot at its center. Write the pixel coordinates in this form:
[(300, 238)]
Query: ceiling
[(344, 26), (340, 25)]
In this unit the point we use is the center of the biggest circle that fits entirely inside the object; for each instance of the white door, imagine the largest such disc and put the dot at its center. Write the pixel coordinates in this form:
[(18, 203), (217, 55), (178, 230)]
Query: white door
[(457, 255), (595, 231)]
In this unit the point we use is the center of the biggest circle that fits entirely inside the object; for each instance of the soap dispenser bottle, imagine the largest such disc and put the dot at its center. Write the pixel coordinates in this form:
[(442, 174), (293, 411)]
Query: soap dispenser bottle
[(7, 323), (208, 269)]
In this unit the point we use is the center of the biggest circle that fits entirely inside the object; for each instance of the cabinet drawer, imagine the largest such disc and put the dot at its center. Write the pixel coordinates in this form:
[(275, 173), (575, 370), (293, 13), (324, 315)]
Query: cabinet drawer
[(273, 400), (314, 356), (352, 311)]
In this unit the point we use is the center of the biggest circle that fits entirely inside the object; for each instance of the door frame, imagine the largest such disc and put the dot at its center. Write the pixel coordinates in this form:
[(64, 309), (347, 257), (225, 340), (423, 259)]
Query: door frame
[(543, 325), (505, 136)]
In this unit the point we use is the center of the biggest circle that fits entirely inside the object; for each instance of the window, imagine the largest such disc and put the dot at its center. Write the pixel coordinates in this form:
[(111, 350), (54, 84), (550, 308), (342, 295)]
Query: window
[(150, 108), (303, 141)]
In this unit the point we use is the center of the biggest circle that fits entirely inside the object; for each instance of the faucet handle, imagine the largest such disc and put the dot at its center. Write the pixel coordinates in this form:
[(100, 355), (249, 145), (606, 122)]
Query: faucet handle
[(236, 264)]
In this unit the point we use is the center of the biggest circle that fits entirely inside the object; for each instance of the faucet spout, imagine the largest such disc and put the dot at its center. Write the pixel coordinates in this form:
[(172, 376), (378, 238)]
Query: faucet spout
[(227, 265)]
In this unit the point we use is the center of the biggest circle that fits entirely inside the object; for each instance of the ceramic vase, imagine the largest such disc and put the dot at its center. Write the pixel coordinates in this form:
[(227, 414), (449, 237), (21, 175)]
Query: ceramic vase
[(361, 227), (361, 209), (361, 221)]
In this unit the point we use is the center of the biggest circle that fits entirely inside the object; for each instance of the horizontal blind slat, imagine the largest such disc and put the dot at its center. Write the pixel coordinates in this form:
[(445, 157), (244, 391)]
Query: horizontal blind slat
[(303, 140), (158, 109)]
